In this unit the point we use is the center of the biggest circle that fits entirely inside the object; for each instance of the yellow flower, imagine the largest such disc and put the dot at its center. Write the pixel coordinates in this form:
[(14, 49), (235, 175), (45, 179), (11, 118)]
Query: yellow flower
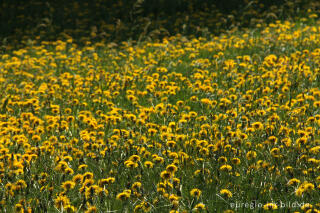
[(131, 164), (293, 181), (159, 160), (257, 125), (110, 180), (148, 164), (88, 182), (299, 192), (68, 185), (270, 206), (306, 207), (91, 209), (275, 152), (200, 206), (78, 178), (68, 171), (305, 187), (171, 168), (195, 193), (136, 185), (152, 131), (226, 193), (172, 125), (87, 175), (123, 195), (91, 191), (36, 138), (70, 209), (165, 175), (272, 139), (251, 155), (146, 206), (222, 159), (226, 167), (134, 158), (173, 198), (20, 184), (82, 167), (19, 208), (316, 104), (171, 143), (308, 187), (235, 161), (61, 201)]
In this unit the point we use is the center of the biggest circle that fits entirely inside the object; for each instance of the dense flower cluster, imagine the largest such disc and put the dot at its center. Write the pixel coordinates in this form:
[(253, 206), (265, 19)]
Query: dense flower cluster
[(173, 126)]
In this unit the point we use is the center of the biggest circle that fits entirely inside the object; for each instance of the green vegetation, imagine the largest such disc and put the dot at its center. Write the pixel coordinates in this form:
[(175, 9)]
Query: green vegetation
[(207, 113)]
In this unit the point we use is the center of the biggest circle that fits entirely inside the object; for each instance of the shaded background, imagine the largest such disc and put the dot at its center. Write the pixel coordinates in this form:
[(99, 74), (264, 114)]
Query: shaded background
[(118, 20)]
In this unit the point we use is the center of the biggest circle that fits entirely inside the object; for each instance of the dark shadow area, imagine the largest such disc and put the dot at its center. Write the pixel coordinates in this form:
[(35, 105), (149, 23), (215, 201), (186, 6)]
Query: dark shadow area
[(120, 20)]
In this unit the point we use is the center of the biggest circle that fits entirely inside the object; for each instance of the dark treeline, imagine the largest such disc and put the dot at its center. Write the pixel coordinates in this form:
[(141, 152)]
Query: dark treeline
[(117, 20)]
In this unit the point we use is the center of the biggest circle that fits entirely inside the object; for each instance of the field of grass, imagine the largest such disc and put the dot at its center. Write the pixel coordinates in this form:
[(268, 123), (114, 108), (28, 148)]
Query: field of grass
[(225, 122)]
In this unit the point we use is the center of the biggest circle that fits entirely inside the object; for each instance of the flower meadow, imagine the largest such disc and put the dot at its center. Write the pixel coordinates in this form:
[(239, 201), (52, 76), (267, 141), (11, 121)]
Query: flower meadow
[(226, 123)]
